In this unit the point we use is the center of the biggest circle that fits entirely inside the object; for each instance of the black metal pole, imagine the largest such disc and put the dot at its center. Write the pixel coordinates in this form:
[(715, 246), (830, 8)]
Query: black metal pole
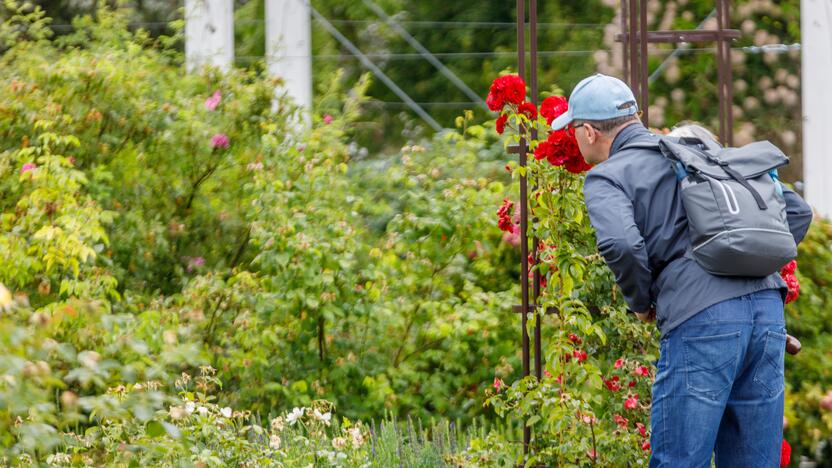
[(524, 213)]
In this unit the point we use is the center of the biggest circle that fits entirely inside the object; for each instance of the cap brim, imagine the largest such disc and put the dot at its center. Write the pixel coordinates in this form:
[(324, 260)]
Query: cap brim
[(562, 120)]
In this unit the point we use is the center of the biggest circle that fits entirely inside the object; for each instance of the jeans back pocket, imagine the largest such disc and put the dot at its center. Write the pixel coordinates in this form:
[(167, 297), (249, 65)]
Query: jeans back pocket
[(769, 371), (711, 364)]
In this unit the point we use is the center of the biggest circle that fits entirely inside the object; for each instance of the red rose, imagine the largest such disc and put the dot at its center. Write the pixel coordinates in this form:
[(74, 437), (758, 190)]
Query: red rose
[(528, 109), (580, 355), (632, 384), (618, 363), (501, 123), (542, 151), (613, 384), (632, 402), (645, 446), (785, 454), (506, 89), (577, 165), (642, 371), (788, 274), (575, 338), (641, 429), (621, 420), (552, 107)]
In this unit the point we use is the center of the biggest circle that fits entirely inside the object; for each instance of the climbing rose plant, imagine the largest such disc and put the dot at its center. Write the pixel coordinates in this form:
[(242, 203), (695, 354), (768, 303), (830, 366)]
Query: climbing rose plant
[(592, 404)]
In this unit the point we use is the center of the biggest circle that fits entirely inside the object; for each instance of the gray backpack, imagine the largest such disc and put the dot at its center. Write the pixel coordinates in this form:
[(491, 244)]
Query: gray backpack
[(734, 203)]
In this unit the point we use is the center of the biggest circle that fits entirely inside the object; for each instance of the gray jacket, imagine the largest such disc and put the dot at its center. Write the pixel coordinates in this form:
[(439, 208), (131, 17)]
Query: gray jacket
[(642, 233)]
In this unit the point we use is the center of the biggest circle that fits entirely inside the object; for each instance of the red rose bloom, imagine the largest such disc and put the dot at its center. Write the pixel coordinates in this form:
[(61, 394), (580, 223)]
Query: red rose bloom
[(788, 274), (506, 89), (632, 402), (642, 371), (580, 355), (528, 109), (785, 454), (575, 339), (645, 446), (552, 107), (618, 363), (641, 429), (577, 165), (613, 384), (501, 123)]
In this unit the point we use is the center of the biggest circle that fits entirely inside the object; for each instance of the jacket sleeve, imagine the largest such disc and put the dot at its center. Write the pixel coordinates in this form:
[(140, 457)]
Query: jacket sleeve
[(619, 239), (798, 214)]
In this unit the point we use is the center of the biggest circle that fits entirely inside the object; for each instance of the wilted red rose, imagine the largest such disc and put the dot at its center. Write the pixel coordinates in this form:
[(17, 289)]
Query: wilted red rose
[(501, 123), (506, 89), (552, 107), (504, 216)]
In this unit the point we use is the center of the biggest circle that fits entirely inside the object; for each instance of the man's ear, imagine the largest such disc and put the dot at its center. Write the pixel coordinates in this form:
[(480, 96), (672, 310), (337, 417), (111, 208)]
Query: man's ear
[(591, 134)]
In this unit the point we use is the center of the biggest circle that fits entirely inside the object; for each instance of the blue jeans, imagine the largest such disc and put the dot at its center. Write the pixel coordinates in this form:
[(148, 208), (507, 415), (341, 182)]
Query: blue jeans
[(719, 387)]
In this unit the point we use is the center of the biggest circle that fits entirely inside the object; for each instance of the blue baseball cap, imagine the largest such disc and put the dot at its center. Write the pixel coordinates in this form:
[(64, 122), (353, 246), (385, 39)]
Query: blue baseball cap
[(598, 97)]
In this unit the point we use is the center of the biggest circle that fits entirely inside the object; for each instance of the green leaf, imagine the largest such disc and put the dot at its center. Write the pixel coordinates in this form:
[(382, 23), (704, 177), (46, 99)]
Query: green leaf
[(155, 429)]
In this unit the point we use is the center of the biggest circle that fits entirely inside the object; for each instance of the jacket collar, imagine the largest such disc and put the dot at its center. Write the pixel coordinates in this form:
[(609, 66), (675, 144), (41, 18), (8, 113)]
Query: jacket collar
[(627, 135)]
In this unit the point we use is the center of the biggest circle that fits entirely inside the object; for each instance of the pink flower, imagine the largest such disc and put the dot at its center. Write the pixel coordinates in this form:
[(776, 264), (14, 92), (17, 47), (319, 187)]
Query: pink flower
[(632, 402), (618, 363), (498, 383), (29, 166), (327, 119), (195, 263), (645, 446), (642, 371), (547, 374), (220, 140), (620, 420), (641, 429), (512, 237), (212, 102)]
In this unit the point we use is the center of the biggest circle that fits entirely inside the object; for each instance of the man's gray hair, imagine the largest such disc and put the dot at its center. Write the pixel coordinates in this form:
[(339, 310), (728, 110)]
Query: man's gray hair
[(606, 126)]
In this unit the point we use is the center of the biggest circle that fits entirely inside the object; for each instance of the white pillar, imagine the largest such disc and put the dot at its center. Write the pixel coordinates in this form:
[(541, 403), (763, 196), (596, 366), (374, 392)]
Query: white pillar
[(816, 48), (209, 34), (289, 47)]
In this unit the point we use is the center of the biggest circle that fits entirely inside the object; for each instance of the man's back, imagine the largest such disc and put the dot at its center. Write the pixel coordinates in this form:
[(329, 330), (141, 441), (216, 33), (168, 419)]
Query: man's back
[(642, 231)]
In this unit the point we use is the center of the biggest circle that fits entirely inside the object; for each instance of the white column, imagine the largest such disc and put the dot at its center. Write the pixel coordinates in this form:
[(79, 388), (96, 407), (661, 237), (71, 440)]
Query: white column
[(209, 34), (816, 48), (289, 47)]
